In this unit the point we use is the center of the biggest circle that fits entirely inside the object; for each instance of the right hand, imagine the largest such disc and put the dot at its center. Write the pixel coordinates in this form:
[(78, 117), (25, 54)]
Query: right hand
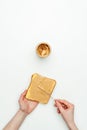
[(66, 109)]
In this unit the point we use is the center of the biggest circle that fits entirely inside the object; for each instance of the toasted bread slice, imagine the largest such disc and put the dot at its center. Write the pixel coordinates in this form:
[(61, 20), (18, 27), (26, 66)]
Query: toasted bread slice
[(40, 88)]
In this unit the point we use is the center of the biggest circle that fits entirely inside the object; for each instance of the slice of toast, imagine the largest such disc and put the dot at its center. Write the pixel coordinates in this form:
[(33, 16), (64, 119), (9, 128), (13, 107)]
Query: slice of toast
[(40, 88)]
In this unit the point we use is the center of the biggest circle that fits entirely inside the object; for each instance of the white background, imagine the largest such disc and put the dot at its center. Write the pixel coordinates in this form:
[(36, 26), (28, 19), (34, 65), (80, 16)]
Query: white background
[(61, 23)]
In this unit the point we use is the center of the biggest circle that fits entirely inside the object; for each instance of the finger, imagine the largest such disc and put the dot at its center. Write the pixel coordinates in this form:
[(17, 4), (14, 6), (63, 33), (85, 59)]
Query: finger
[(35, 103), (58, 110), (68, 104), (55, 105), (64, 106), (23, 95), (59, 106)]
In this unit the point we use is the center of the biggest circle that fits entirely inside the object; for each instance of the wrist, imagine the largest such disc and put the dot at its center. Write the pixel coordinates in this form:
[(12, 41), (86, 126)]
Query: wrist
[(23, 113), (72, 126)]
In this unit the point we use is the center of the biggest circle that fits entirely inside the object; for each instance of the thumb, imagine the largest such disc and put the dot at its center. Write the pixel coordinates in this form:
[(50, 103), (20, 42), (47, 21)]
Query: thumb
[(59, 106)]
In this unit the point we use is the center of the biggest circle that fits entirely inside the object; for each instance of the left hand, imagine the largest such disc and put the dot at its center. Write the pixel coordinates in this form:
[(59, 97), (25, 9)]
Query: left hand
[(26, 106)]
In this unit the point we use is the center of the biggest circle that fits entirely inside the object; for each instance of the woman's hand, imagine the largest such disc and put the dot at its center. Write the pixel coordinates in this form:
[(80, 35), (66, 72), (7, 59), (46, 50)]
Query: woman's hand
[(66, 109), (26, 106)]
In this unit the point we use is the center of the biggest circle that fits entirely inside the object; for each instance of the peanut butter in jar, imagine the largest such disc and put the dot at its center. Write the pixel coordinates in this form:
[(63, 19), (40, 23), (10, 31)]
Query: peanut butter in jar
[(43, 50)]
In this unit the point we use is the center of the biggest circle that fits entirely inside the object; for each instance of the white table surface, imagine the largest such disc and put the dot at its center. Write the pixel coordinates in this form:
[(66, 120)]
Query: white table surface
[(63, 24)]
